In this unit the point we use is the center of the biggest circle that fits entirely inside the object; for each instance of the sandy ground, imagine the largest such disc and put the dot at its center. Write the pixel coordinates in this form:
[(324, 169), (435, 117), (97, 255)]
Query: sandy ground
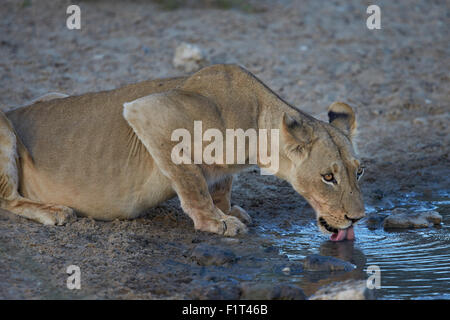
[(310, 52)]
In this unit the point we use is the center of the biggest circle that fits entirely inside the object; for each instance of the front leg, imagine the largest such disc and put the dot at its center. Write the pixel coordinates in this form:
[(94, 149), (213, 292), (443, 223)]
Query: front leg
[(153, 119), (221, 195), (192, 190)]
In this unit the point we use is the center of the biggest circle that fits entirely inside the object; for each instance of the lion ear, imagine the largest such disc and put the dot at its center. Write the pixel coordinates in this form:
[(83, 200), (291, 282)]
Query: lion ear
[(296, 134), (342, 116)]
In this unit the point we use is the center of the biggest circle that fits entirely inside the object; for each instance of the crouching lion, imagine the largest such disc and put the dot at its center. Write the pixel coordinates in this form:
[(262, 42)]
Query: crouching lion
[(107, 155)]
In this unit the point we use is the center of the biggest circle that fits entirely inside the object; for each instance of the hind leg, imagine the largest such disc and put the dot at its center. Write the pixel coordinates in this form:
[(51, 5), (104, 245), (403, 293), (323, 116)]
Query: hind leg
[(10, 199)]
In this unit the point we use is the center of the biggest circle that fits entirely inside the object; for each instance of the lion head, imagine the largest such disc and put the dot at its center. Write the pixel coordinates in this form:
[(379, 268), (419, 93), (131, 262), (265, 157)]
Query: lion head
[(321, 164)]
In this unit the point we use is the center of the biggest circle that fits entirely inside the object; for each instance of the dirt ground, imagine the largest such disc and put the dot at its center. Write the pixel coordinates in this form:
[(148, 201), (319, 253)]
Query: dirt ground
[(310, 52)]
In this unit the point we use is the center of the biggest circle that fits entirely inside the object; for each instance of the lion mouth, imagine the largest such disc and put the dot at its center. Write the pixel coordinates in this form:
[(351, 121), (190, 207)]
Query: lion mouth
[(327, 227), (338, 234)]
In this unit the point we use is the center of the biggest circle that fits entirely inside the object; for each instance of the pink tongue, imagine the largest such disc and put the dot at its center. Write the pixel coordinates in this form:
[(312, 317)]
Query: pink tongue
[(350, 234), (343, 234)]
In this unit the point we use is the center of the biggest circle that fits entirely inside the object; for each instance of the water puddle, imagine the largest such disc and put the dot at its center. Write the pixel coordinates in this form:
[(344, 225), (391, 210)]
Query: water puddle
[(415, 264)]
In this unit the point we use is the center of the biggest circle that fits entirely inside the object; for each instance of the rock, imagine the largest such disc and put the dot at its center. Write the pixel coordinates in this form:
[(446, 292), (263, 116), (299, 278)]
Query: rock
[(188, 57), (401, 219), (286, 270), (271, 291), (419, 121), (221, 291), (432, 216), (292, 268), (317, 262), (230, 240), (374, 220), (206, 255), (346, 290)]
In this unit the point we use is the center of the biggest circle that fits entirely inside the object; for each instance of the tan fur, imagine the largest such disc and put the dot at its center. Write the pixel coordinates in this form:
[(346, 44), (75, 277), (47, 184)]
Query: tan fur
[(108, 154)]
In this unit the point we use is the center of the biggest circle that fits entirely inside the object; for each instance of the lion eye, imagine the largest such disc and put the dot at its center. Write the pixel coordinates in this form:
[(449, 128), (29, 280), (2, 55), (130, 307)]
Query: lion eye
[(360, 172), (329, 177)]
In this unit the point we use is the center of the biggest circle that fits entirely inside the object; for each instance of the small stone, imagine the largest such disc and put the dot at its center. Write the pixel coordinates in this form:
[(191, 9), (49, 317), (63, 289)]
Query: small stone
[(286, 270), (206, 255), (346, 290), (290, 269), (221, 291), (230, 240), (271, 291), (303, 48), (405, 220), (419, 121), (317, 262), (188, 57), (374, 220), (433, 217), (376, 112)]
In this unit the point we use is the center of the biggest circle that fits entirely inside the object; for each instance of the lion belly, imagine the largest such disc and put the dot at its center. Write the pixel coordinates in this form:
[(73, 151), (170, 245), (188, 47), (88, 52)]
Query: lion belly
[(86, 156)]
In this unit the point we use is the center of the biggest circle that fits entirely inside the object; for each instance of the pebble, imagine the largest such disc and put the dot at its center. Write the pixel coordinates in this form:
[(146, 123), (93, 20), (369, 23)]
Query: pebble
[(317, 262), (207, 255), (221, 291), (271, 291), (419, 121), (401, 219), (289, 269), (374, 220), (230, 240), (286, 270), (346, 290), (188, 57)]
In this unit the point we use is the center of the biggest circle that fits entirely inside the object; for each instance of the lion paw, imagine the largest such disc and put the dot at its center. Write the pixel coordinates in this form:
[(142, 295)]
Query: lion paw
[(241, 214), (56, 215), (227, 225), (232, 226)]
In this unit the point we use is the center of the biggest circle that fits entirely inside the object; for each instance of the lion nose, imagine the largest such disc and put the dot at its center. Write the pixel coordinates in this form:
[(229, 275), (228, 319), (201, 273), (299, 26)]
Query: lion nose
[(353, 220)]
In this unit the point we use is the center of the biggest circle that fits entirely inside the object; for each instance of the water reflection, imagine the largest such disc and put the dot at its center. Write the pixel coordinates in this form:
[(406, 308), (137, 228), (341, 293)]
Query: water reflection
[(414, 263), (345, 250)]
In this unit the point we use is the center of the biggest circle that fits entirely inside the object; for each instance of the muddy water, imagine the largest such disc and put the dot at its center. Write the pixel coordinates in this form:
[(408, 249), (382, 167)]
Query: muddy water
[(414, 264)]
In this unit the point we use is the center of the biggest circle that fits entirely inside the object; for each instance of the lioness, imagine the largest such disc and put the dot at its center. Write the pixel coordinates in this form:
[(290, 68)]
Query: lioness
[(107, 155)]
